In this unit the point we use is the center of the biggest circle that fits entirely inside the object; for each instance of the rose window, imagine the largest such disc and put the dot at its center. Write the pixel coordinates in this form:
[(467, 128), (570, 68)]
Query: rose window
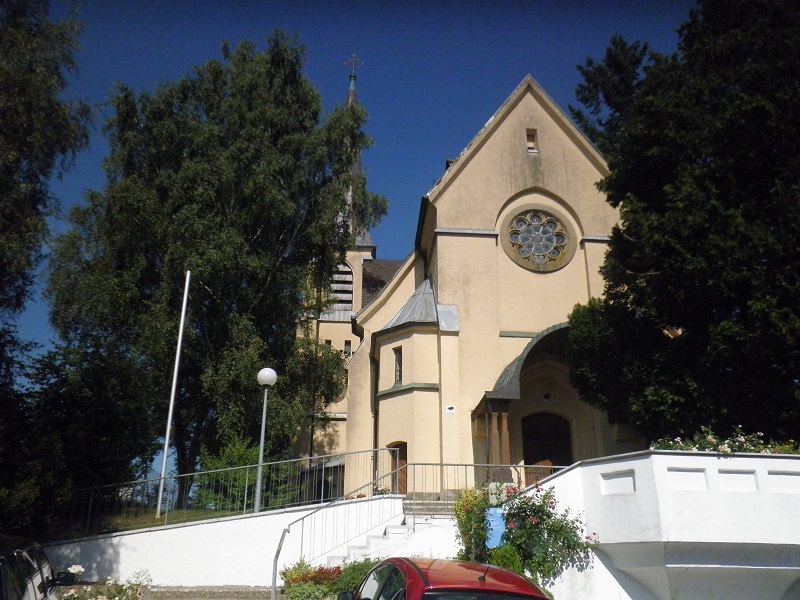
[(537, 237)]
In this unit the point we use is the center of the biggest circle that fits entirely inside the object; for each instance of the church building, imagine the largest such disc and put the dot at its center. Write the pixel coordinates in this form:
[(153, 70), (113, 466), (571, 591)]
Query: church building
[(457, 354)]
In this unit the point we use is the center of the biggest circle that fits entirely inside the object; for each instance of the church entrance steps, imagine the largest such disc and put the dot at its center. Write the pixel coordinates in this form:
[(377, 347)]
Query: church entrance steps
[(431, 504), (419, 536)]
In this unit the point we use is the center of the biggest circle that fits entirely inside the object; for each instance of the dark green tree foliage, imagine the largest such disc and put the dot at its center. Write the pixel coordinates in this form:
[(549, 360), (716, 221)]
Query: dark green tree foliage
[(230, 173), (609, 89), (315, 375), (40, 133), (700, 324), (39, 137)]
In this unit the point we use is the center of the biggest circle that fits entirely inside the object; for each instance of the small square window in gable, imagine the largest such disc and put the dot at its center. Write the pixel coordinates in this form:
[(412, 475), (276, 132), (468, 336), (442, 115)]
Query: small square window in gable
[(532, 140)]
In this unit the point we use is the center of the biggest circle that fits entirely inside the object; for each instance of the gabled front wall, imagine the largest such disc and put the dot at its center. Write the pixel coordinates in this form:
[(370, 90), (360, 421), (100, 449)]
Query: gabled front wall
[(500, 305)]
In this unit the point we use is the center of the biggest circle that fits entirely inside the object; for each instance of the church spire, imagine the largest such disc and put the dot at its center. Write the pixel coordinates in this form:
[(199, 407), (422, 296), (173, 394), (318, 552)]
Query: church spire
[(353, 62), (363, 239)]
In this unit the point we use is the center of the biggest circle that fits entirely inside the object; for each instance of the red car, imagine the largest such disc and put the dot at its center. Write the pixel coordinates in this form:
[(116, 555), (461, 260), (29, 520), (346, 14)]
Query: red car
[(439, 579)]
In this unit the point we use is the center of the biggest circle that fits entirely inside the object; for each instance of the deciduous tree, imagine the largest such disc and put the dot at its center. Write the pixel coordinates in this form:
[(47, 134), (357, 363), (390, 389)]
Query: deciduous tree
[(40, 133), (232, 173)]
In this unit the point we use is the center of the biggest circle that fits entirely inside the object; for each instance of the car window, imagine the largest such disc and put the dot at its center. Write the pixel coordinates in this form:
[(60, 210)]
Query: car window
[(42, 562), (394, 584), (45, 570), (372, 582), (35, 582)]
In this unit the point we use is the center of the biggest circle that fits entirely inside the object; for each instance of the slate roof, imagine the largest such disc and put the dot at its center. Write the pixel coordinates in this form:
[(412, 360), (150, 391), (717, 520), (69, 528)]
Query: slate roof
[(376, 274)]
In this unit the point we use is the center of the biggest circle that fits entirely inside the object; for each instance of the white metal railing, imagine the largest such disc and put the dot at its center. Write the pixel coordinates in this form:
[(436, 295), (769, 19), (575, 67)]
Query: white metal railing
[(412, 489)]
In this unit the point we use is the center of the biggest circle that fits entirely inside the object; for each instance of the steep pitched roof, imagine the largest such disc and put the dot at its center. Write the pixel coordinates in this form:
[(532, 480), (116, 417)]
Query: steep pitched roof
[(420, 308), (528, 84), (376, 274)]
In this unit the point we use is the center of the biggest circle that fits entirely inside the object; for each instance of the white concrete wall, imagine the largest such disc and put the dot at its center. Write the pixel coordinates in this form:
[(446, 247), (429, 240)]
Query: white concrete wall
[(235, 551), (687, 525), (672, 526)]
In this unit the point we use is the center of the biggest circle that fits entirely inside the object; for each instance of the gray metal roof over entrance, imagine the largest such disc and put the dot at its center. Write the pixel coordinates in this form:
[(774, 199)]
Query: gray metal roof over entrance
[(507, 385)]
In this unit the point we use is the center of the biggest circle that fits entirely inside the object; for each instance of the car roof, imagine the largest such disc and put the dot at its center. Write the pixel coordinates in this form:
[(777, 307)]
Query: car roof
[(11, 543), (454, 574)]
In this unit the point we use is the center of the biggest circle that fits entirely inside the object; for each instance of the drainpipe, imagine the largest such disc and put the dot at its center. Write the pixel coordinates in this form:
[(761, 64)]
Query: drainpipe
[(374, 373)]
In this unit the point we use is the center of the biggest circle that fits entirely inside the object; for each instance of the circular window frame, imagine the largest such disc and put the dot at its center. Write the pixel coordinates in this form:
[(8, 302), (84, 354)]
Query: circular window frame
[(524, 212)]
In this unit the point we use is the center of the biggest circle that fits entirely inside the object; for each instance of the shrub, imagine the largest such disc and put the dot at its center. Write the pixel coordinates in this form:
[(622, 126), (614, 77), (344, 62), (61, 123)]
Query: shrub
[(539, 541), (470, 509), (546, 540), (301, 581), (738, 441), (506, 556), (307, 591), (299, 572), (351, 575)]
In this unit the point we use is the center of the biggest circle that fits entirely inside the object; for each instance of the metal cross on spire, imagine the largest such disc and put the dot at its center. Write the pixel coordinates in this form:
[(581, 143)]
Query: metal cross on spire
[(353, 62)]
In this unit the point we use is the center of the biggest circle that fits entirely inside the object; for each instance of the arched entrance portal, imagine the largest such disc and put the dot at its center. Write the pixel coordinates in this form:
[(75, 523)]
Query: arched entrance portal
[(546, 439), (533, 416)]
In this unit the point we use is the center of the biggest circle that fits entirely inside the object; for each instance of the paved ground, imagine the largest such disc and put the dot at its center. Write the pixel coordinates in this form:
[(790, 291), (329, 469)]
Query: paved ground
[(210, 593)]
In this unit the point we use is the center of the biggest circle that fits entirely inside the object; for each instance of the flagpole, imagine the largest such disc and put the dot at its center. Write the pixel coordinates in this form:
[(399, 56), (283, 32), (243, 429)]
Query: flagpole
[(172, 396)]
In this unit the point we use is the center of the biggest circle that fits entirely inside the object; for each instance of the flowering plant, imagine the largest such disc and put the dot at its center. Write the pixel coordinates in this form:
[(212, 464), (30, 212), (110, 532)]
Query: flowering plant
[(539, 540), (133, 588), (739, 441), (547, 540)]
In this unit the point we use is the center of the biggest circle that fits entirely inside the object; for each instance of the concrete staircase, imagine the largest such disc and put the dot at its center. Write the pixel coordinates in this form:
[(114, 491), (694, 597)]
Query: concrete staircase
[(427, 529)]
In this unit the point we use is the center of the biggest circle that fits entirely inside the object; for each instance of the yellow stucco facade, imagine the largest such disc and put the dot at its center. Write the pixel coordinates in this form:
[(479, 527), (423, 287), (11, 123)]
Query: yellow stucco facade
[(460, 358)]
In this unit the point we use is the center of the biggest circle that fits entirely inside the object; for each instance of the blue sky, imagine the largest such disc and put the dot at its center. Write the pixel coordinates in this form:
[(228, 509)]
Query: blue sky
[(433, 73)]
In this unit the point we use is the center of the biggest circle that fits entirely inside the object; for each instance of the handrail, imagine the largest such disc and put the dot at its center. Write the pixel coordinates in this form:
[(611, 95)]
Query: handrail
[(367, 486), (393, 475)]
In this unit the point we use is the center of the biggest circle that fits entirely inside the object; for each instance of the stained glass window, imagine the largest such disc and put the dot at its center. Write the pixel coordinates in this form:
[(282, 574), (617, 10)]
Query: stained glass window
[(537, 237)]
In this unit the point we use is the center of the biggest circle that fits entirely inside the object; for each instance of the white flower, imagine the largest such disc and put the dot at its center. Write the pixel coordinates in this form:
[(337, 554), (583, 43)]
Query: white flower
[(76, 570), (141, 578)]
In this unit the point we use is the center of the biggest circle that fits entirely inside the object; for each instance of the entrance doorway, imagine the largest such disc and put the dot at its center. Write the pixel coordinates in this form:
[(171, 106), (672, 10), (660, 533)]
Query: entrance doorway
[(546, 441), (399, 462)]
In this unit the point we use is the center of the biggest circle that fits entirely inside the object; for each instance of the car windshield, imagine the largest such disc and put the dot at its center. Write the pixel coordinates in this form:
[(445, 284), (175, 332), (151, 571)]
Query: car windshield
[(468, 595)]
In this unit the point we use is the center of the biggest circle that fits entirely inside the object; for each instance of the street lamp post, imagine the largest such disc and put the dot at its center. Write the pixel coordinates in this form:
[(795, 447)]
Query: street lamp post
[(266, 379)]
